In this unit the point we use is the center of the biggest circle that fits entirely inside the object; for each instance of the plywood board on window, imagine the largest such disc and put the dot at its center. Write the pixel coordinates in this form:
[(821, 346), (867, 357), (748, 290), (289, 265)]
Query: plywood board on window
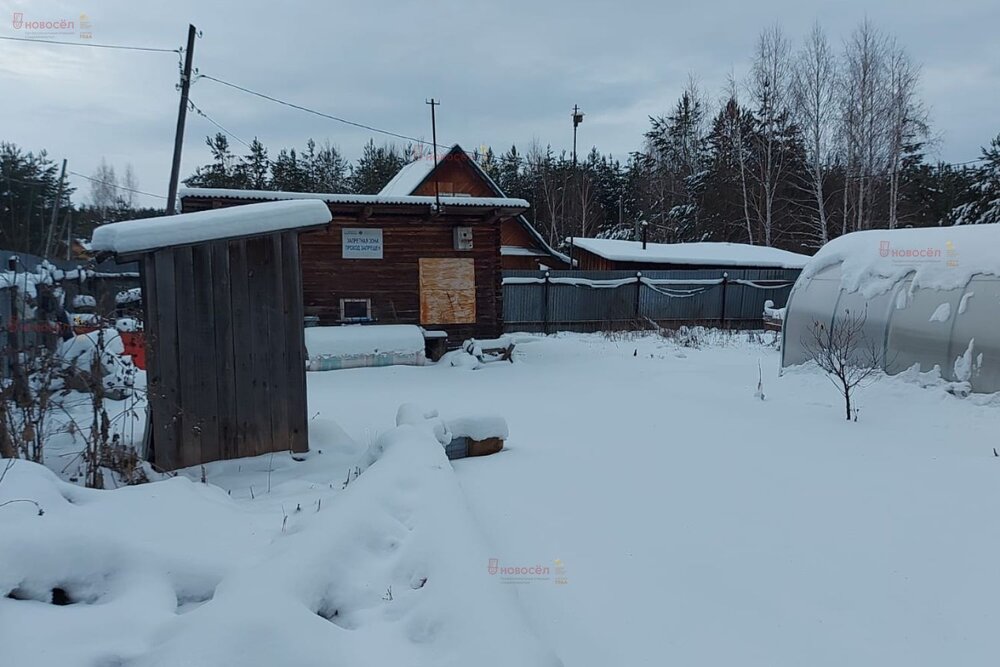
[(447, 290)]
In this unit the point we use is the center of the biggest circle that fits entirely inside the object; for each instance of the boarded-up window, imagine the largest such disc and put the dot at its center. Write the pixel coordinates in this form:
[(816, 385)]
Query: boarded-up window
[(447, 291)]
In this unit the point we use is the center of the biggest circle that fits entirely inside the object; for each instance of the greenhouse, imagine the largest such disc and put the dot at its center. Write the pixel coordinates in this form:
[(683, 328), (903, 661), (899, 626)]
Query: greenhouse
[(924, 299)]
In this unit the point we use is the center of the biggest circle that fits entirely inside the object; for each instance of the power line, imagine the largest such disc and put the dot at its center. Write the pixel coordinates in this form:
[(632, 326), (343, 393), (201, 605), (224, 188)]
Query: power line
[(210, 120), (91, 45), (114, 185), (362, 126), (962, 164)]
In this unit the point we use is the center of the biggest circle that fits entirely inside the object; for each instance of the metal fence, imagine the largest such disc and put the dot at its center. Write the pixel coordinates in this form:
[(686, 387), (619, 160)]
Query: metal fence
[(607, 300)]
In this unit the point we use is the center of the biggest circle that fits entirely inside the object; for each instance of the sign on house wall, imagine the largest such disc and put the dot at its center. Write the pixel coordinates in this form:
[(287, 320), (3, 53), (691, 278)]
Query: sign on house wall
[(360, 243)]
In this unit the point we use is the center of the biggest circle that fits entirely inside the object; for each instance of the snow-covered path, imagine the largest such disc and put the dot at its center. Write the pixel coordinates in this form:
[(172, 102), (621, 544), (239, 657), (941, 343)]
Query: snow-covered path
[(699, 525)]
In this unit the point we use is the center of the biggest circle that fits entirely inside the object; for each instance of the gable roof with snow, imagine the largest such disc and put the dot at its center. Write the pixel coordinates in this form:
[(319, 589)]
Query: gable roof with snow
[(409, 178), (225, 223), (413, 175), (702, 253)]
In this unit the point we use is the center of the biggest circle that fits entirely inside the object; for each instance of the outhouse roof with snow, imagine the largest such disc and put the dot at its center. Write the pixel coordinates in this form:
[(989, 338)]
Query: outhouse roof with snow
[(227, 223), (704, 253)]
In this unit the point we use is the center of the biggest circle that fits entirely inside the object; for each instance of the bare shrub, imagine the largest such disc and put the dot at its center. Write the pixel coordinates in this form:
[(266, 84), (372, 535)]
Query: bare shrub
[(843, 351)]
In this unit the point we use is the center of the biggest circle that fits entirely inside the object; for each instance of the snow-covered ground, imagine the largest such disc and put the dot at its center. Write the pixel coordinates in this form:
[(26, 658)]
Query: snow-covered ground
[(648, 509)]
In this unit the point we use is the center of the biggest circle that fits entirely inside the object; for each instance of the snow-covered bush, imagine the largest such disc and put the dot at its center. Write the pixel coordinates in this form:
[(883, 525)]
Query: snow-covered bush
[(114, 370), (685, 336)]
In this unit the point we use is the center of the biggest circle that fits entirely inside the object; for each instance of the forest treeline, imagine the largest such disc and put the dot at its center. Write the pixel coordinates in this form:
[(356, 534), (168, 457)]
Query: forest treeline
[(817, 140)]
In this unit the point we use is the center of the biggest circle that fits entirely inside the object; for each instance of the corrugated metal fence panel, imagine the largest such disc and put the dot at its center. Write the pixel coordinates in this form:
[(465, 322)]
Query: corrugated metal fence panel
[(584, 308), (524, 304), (572, 304), (704, 302), (746, 302)]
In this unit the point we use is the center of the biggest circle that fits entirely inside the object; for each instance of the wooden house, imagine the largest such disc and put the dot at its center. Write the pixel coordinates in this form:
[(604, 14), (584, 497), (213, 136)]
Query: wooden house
[(458, 175), (223, 320), (397, 260), (615, 255)]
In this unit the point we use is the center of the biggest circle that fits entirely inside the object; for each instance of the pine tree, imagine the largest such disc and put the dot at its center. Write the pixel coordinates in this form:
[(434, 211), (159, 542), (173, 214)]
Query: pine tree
[(510, 174), (289, 173), (377, 166), (675, 145), (982, 205), (328, 170), (28, 186), (222, 172), (255, 166)]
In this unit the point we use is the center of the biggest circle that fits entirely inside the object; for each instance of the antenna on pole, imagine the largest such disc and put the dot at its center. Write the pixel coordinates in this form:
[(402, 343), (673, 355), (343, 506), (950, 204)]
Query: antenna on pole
[(434, 145)]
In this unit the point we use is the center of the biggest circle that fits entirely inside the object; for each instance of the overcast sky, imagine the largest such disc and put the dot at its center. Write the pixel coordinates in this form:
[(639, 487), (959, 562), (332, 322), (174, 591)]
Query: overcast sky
[(505, 71)]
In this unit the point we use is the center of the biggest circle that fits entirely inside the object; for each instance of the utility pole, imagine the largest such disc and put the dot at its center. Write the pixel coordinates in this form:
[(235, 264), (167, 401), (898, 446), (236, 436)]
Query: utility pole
[(55, 210), (175, 167), (434, 145), (577, 119)]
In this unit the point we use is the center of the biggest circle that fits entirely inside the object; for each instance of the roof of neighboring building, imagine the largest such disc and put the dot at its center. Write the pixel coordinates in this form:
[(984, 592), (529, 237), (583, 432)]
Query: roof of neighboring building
[(704, 253), (519, 251), (342, 198)]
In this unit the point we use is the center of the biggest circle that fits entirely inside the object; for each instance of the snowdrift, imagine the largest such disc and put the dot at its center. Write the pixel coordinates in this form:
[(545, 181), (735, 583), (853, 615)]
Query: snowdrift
[(390, 570)]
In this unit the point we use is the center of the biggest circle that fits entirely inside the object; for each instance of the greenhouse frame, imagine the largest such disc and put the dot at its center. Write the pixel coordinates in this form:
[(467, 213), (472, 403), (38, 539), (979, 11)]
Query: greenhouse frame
[(928, 299)]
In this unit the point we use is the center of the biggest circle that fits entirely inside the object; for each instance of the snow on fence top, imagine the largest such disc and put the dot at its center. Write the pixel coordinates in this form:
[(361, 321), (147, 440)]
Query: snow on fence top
[(481, 202), (189, 228), (712, 254), (872, 261)]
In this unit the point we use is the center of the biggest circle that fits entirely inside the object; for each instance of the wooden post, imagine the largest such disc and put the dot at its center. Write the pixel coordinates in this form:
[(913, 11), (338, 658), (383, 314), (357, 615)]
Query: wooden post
[(722, 313), (638, 294), (545, 302)]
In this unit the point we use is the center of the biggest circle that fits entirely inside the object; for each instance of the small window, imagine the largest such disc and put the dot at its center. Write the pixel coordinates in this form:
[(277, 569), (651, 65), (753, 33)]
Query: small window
[(355, 310)]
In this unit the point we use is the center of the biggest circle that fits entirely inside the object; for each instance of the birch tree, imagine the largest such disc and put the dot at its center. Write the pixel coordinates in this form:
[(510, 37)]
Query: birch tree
[(126, 194), (739, 141), (863, 103), (814, 94), (906, 120), (769, 88), (104, 188)]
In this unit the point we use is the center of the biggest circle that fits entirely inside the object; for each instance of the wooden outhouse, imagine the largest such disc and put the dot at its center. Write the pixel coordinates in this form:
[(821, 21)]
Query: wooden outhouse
[(223, 319)]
